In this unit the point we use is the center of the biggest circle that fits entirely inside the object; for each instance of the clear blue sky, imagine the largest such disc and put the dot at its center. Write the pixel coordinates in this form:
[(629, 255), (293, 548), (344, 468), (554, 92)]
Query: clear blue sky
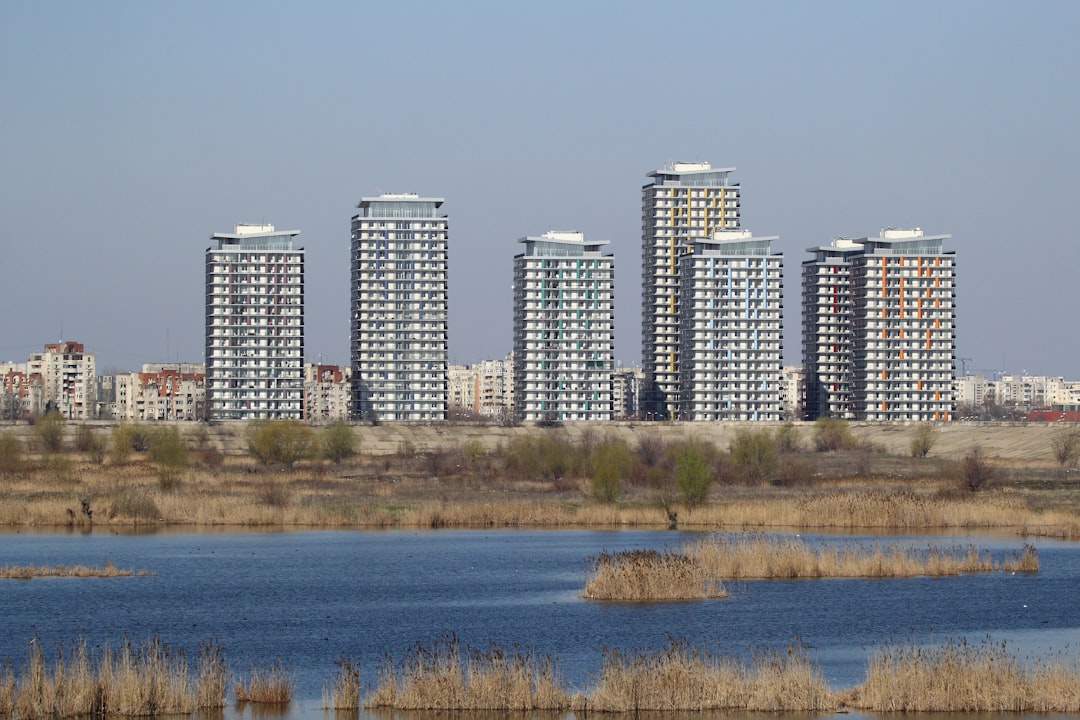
[(132, 131)]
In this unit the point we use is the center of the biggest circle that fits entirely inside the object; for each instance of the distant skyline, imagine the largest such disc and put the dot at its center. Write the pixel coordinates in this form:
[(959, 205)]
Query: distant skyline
[(131, 132)]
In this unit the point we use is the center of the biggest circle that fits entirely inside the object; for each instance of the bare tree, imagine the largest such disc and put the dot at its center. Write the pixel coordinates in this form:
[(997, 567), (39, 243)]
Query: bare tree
[(1066, 446)]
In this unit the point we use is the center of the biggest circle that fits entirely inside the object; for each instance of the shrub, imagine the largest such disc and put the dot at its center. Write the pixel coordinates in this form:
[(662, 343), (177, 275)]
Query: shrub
[(610, 462), (169, 451), (754, 455), (85, 439), (279, 442), (1065, 445), (833, 434), (49, 430), (796, 471), (923, 440), (974, 472), (338, 442), (120, 443), (11, 454), (140, 437), (787, 438), (692, 476)]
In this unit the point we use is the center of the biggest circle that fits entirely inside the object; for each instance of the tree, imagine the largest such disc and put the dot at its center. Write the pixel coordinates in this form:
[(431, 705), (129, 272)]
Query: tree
[(49, 430), (692, 476), (1066, 446), (279, 442), (609, 463), (338, 442), (754, 455), (922, 442)]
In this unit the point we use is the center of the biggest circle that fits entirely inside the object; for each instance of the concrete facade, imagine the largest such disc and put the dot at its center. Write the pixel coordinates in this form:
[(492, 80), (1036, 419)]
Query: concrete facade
[(254, 325), (327, 393), (730, 352), (398, 333), (564, 329), (684, 201), (160, 392), (879, 328)]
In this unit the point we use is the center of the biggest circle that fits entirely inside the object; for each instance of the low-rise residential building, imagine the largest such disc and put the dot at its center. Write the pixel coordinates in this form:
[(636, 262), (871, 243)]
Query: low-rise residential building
[(626, 383), (22, 395), (327, 392), (161, 391), (792, 392), (482, 390)]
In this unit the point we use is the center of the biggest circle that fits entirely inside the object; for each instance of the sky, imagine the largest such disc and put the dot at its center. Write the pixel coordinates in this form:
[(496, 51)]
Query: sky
[(130, 132)]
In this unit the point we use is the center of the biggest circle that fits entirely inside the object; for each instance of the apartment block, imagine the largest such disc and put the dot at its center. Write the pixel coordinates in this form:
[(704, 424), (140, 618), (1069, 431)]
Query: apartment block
[(399, 309), (483, 390), (879, 345), (327, 392), (626, 393), (563, 329), (161, 391), (731, 312), (684, 201), (68, 380), (254, 324), (22, 395), (828, 330)]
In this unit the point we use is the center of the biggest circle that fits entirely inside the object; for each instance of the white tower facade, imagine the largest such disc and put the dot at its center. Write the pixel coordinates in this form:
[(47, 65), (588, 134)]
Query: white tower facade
[(254, 325), (685, 200), (564, 322), (731, 348), (399, 309)]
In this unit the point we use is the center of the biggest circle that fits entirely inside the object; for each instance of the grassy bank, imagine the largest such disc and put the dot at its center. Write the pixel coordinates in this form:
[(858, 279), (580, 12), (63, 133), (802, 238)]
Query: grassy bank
[(644, 476)]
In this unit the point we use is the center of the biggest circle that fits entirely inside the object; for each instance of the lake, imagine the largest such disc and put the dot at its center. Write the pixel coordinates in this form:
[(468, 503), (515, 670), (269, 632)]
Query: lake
[(308, 598)]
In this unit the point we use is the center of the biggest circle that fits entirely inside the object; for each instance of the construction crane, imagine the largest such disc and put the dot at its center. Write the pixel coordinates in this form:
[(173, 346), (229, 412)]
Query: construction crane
[(963, 365)]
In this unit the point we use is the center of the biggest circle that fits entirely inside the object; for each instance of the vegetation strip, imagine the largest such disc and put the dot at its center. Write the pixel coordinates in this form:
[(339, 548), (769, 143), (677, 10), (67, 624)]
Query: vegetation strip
[(696, 571), (284, 473), (26, 572), (153, 680)]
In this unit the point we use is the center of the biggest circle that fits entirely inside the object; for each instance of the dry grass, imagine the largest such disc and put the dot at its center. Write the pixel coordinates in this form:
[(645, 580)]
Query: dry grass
[(961, 677), (648, 576), (755, 556), (448, 676), (271, 685), (108, 570), (147, 680)]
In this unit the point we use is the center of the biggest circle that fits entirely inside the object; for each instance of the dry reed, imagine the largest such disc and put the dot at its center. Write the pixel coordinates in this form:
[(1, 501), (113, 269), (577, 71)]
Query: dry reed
[(962, 677), (26, 572), (680, 677), (145, 680), (342, 692), (649, 575), (446, 676), (271, 685), (761, 556)]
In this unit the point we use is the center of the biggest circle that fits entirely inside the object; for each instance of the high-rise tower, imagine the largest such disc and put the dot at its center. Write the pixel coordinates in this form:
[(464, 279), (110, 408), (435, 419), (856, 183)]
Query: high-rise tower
[(399, 309), (685, 200), (879, 330), (254, 325), (731, 314), (563, 329)]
